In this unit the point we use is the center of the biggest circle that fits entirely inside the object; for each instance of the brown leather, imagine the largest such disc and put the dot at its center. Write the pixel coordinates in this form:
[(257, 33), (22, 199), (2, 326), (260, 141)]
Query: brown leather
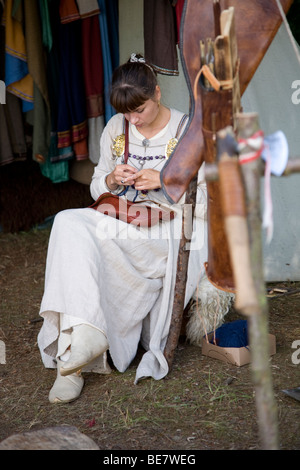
[(131, 212), (218, 267), (257, 22)]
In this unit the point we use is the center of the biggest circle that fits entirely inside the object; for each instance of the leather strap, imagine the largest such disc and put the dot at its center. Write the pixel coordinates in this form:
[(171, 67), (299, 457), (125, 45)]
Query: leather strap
[(126, 141), (216, 85), (180, 125)]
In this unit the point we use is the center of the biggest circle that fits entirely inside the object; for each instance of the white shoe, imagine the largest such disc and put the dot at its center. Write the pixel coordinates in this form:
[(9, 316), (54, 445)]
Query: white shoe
[(87, 343), (66, 389)]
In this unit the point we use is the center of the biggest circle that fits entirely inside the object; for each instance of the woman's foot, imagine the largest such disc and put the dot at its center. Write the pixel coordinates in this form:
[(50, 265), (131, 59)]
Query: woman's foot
[(87, 343), (66, 389)]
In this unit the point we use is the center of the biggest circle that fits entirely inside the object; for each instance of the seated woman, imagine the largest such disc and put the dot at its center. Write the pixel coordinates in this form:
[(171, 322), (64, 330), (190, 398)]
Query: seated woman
[(109, 285)]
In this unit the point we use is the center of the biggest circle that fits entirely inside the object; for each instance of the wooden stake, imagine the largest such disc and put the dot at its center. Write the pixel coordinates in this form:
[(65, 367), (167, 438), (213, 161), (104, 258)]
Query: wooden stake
[(293, 166), (235, 220), (247, 125)]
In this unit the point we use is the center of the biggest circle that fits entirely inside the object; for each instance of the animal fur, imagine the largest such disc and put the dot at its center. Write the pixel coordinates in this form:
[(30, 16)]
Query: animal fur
[(207, 311)]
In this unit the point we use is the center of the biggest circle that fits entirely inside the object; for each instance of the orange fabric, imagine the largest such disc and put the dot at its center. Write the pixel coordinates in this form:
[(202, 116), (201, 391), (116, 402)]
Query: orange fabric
[(68, 11)]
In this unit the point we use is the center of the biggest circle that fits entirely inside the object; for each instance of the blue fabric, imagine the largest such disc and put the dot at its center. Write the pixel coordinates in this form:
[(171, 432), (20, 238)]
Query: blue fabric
[(27, 106), (72, 105), (107, 62), (113, 31), (232, 335), (15, 70)]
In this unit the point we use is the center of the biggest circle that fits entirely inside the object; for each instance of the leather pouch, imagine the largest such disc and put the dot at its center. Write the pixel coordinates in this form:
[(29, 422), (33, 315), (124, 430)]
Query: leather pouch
[(134, 213)]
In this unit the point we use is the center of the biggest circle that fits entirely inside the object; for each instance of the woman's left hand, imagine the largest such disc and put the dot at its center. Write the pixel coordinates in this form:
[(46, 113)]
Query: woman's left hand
[(145, 179)]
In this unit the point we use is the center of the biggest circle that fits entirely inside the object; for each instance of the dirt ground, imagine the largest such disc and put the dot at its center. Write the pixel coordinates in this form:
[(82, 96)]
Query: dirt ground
[(203, 404)]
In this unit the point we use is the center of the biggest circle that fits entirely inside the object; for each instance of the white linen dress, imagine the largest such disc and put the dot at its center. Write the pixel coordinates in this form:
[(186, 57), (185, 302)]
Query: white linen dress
[(115, 276)]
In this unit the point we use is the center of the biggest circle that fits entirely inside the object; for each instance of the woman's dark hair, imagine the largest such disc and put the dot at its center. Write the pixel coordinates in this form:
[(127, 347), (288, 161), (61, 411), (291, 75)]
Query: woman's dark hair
[(133, 83)]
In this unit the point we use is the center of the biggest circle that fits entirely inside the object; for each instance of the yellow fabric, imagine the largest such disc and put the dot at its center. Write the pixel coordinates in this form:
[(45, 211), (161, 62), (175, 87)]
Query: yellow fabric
[(15, 45), (22, 88)]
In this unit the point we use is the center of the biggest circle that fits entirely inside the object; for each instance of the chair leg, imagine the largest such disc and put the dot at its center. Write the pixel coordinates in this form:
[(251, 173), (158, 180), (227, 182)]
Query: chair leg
[(181, 275)]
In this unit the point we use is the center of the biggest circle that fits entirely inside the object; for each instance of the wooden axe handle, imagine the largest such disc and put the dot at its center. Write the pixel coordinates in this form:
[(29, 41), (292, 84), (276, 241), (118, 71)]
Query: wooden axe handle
[(236, 228)]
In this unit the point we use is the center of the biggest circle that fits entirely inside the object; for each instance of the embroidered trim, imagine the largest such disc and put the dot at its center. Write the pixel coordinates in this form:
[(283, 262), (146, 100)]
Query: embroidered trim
[(118, 146)]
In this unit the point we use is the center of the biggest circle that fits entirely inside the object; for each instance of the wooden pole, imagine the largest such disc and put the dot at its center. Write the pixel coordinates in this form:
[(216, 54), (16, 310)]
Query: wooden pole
[(235, 221), (292, 166), (247, 125), (181, 273), (258, 324)]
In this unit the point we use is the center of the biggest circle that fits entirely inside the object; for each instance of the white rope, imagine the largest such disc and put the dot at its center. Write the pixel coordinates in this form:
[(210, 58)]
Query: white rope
[(292, 39)]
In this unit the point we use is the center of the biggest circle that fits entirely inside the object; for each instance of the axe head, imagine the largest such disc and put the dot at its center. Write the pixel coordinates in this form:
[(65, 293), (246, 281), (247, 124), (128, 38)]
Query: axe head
[(277, 149)]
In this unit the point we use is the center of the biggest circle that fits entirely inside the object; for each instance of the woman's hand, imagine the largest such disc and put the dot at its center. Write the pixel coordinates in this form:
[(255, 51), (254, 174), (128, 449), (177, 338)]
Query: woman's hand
[(122, 174), (144, 179)]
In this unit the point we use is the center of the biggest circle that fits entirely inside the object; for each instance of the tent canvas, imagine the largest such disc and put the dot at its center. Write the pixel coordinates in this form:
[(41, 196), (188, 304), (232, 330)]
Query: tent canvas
[(272, 94)]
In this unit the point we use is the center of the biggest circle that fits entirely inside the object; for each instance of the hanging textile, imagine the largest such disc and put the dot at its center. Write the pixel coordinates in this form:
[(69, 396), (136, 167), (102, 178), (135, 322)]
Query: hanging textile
[(12, 139), (92, 66), (107, 62), (37, 70), (6, 151), (94, 85), (17, 78), (160, 36), (58, 60), (58, 171), (72, 124), (50, 24), (112, 10), (2, 43), (56, 166), (88, 8), (179, 4), (68, 11), (46, 24), (34, 47)]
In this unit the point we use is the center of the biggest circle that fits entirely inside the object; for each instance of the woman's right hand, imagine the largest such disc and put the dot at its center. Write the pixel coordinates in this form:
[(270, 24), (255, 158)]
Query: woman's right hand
[(118, 175)]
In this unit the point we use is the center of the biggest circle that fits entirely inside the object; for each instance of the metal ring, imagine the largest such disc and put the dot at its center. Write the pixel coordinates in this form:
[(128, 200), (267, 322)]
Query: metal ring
[(122, 181)]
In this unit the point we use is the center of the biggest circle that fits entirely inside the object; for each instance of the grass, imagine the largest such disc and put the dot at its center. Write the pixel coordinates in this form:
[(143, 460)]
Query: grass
[(202, 404), (162, 406)]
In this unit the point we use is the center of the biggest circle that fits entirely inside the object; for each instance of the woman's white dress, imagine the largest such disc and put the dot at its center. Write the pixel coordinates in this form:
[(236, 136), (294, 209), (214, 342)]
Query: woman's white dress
[(115, 276)]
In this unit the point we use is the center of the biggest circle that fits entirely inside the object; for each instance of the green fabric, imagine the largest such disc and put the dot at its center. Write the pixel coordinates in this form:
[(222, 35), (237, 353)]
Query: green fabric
[(46, 25), (56, 172)]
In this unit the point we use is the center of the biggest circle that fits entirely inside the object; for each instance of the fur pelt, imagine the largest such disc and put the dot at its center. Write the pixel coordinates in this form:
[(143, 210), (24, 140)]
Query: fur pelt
[(207, 310)]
